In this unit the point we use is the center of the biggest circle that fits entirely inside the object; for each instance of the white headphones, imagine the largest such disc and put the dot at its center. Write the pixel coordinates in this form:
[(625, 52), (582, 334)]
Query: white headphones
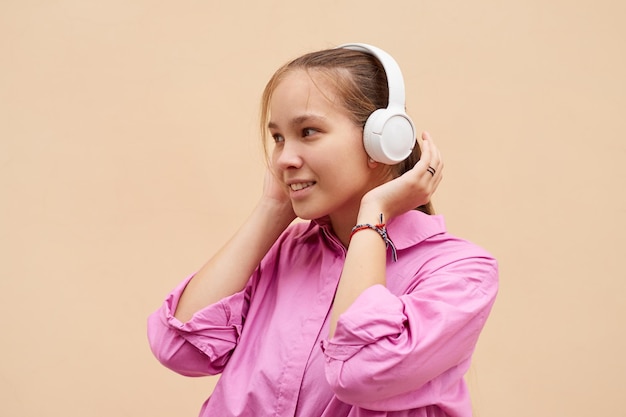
[(389, 134)]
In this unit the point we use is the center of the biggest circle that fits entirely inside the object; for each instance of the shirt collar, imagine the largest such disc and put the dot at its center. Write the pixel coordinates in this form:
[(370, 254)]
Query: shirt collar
[(414, 227)]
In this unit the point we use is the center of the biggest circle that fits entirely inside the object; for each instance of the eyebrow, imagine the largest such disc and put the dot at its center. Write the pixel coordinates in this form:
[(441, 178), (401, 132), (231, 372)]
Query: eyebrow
[(297, 121)]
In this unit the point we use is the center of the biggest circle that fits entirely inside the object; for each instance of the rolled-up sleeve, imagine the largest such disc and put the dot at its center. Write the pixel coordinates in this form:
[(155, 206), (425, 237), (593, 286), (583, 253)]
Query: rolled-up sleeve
[(202, 345), (387, 347)]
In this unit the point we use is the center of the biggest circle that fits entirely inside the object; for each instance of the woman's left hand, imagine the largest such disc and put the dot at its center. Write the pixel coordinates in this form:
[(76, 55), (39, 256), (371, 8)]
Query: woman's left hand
[(412, 189)]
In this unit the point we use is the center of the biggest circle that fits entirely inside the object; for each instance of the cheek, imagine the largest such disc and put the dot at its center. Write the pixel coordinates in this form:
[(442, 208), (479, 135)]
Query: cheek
[(356, 142)]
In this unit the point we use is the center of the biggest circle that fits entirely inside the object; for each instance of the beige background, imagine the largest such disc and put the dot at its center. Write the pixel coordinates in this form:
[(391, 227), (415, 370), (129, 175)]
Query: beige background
[(129, 152)]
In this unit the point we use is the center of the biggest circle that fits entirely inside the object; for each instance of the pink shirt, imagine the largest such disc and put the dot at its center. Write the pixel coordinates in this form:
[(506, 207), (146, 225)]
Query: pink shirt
[(399, 350)]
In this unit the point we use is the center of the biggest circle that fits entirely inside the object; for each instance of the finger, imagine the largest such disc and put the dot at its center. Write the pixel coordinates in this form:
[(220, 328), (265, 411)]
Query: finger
[(432, 148), (431, 158), (421, 166), (426, 147)]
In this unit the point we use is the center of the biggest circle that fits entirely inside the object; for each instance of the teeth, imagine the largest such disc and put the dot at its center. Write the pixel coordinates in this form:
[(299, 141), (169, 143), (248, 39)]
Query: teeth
[(301, 185)]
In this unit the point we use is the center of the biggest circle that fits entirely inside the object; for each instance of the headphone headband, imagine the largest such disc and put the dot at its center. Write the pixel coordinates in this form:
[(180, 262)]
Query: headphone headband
[(395, 81), (389, 133)]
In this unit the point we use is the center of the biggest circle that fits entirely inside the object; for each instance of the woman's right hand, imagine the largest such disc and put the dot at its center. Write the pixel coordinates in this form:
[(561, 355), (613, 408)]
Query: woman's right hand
[(275, 194)]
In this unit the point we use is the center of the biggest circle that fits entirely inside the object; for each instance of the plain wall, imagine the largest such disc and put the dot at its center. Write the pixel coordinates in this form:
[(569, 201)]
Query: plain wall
[(129, 152)]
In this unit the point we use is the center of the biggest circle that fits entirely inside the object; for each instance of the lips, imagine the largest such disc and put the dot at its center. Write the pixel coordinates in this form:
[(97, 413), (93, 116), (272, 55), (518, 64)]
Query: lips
[(300, 185)]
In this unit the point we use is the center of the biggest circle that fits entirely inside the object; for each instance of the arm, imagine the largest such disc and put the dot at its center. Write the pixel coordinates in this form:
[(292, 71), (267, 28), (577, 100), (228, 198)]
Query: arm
[(366, 257), (391, 351), (204, 344), (198, 325), (227, 272)]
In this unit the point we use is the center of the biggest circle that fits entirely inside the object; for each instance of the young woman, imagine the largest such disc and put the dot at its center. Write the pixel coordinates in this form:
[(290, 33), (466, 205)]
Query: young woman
[(368, 309)]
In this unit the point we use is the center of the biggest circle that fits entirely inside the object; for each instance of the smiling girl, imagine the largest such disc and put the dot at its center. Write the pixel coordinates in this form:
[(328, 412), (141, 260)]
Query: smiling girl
[(370, 308)]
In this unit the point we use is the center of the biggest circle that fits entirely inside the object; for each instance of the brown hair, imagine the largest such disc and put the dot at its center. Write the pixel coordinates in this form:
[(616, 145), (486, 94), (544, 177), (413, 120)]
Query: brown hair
[(360, 82)]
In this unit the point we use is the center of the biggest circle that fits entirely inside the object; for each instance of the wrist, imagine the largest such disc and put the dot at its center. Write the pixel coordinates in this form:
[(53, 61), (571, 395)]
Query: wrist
[(275, 212), (379, 227), (370, 213)]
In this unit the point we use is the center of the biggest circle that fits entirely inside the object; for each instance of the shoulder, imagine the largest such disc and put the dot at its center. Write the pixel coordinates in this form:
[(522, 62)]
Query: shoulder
[(429, 257)]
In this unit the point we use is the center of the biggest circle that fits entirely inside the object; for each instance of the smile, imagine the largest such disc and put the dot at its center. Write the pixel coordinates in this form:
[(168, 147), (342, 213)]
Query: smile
[(301, 185)]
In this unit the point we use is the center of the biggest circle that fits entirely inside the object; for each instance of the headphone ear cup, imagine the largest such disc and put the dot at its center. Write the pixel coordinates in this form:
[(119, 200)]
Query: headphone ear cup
[(388, 136)]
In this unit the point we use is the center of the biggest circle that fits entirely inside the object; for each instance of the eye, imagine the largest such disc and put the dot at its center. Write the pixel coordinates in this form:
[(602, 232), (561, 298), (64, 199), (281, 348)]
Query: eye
[(278, 138), (308, 131)]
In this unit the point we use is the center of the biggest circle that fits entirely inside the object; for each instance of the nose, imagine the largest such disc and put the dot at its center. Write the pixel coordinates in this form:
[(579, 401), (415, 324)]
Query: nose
[(288, 155)]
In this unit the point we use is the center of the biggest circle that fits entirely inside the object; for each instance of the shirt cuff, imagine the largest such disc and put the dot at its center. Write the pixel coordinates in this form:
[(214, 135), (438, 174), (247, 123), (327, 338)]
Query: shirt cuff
[(215, 315)]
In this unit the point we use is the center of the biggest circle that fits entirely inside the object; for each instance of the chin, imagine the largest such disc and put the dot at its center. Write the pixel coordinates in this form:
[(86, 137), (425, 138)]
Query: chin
[(308, 214), (305, 216)]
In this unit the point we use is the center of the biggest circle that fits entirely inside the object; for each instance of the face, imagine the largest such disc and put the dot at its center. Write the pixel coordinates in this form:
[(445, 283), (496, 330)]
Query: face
[(318, 151)]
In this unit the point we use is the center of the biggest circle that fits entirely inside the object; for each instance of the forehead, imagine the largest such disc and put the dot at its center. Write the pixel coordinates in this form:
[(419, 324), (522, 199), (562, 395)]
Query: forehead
[(304, 87)]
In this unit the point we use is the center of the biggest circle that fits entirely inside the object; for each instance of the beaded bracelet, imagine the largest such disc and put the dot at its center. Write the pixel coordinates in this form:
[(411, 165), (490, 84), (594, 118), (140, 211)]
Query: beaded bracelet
[(381, 230)]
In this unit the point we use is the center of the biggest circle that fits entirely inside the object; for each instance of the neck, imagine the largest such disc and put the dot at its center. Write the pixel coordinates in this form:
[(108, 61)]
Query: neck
[(342, 224), (343, 221)]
